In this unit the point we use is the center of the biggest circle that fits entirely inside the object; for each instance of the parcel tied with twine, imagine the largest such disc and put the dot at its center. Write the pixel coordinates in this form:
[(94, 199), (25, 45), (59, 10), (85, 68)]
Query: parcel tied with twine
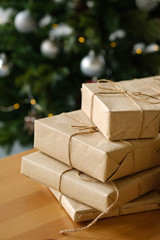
[(80, 212), (72, 139), (124, 110), (84, 188)]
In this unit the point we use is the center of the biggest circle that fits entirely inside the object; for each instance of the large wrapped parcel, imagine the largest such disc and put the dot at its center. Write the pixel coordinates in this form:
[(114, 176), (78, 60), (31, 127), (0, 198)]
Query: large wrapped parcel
[(92, 153), (86, 189), (124, 110), (80, 212)]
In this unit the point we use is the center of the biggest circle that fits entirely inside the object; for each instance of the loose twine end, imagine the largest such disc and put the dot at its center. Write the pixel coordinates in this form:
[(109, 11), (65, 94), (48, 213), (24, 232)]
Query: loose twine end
[(107, 210)]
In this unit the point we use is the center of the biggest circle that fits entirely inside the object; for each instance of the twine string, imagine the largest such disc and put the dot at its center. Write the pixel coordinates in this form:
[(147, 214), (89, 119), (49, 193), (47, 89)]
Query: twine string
[(60, 179), (133, 96), (108, 209), (82, 129)]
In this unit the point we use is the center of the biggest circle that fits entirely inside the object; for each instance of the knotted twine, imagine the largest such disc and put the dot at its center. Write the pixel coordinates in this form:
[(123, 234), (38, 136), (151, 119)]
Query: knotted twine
[(133, 96), (82, 129), (108, 209), (85, 129)]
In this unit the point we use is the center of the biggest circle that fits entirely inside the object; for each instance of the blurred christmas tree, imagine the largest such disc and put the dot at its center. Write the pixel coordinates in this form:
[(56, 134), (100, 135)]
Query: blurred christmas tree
[(48, 48)]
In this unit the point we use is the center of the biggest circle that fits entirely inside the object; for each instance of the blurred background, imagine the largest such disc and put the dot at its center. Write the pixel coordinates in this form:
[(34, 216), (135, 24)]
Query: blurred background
[(49, 48)]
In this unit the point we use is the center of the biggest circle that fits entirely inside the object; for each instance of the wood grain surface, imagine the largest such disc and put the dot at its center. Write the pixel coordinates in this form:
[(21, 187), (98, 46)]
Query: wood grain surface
[(28, 211)]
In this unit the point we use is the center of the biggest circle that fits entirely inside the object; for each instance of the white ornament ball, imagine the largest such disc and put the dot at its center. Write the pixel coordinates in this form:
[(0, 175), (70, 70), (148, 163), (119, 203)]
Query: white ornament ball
[(62, 30), (47, 19), (138, 48), (120, 33), (24, 22), (49, 49), (146, 5), (92, 65), (5, 15), (153, 47)]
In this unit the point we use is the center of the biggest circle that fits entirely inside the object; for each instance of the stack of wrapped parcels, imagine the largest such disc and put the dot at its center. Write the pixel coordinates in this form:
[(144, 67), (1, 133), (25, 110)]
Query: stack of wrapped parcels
[(106, 154)]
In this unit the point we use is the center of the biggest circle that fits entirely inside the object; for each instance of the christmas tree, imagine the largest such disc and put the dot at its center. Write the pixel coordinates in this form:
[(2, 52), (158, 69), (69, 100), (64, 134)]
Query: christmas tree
[(49, 48)]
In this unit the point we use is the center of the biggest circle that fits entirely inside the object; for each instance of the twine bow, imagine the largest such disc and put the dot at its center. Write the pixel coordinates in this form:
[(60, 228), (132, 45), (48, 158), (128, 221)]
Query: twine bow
[(133, 96), (82, 129), (139, 96)]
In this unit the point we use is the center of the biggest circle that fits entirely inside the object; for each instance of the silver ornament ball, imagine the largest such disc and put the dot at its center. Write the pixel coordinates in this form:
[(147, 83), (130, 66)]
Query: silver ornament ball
[(146, 5), (49, 49), (92, 65), (24, 22)]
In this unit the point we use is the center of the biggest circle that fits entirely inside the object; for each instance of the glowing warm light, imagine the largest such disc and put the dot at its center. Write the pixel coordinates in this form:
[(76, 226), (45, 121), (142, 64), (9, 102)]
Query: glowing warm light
[(33, 101), (55, 25), (113, 44), (81, 39), (138, 51), (50, 115), (16, 105), (156, 48)]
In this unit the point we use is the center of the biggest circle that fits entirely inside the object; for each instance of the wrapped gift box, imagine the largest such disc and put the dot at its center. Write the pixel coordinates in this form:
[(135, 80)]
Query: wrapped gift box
[(80, 212), (92, 153), (122, 110), (84, 188)]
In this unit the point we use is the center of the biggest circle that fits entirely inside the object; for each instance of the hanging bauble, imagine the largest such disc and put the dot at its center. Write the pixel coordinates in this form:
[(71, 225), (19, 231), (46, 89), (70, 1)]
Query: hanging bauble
[(24, 22), (92, 65), (153, 47), (49, 49), (147, 5), (138, 48), (62, 30), (5, 15), (120, 33), (47, 19), (4, 66)]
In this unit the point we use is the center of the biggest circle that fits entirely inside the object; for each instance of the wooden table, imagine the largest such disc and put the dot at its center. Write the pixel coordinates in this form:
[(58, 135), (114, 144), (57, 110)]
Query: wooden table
[(28, 211)]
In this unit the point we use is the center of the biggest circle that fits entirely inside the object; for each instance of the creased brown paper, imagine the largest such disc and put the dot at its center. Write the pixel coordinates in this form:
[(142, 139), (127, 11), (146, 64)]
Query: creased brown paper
[(80, 212), (92, 192), (92, 153), (126, 115)]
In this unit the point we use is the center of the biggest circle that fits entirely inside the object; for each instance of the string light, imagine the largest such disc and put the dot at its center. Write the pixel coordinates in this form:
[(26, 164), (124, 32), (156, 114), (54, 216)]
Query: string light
[(156, 48), (50, 115), (33, 101), (16, 106), (81, 39), (138, 51), (113, 44), (55, 25)]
